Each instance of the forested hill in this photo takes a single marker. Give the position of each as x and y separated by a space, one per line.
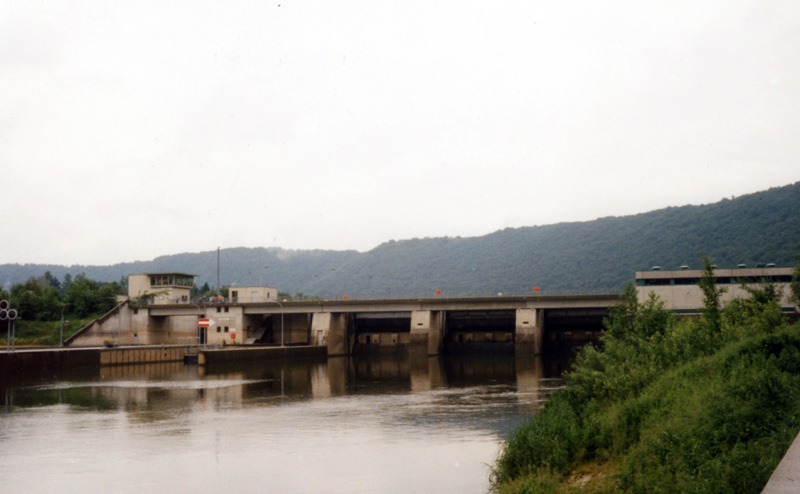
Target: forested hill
592 256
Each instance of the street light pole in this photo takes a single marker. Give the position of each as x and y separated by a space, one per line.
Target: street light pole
61 340
281 306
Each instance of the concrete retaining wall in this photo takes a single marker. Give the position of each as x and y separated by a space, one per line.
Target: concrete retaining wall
120 356
207 357
21 362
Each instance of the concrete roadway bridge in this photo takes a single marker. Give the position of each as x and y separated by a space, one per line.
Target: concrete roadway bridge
421 326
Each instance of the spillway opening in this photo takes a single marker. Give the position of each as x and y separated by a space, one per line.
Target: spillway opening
479 331
573 325
380 332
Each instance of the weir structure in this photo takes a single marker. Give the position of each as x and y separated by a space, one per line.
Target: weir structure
417 326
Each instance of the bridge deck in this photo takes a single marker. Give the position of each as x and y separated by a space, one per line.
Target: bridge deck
398 305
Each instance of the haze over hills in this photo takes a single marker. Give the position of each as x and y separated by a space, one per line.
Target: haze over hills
585 257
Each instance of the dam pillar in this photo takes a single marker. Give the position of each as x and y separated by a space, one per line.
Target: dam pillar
426 333
528 334
330 329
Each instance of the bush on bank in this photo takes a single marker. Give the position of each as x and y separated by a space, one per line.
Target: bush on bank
699 405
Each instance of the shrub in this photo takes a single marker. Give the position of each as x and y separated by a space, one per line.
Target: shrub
698 405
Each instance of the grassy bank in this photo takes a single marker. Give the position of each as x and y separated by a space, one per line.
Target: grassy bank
698 405
42 333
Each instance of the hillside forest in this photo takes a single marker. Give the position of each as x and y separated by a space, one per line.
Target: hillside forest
596 256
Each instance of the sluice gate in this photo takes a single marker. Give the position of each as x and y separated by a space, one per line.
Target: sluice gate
380 332
479 331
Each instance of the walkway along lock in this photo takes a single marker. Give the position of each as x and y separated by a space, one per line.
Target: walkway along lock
9 315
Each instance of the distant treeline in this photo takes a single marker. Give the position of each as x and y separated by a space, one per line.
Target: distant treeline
581 257
45 298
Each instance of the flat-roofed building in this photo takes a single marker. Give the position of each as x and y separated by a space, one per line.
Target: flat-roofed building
244 294
161 288
680 291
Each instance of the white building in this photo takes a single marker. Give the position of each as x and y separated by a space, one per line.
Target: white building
161 288
245 294
680 292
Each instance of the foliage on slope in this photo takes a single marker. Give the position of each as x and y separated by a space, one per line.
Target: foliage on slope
666 406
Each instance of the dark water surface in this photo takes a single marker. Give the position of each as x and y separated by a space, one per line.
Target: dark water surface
387 425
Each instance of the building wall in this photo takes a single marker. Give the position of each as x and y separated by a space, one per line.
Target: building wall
230 326
245 294
689 297
112 327
139 284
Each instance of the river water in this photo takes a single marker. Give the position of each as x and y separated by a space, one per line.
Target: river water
384 425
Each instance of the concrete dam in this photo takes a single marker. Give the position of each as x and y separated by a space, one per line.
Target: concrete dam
419 326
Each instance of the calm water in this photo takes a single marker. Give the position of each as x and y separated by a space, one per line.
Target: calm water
336 425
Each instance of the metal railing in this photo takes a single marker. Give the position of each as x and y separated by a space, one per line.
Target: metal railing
192 344
481 294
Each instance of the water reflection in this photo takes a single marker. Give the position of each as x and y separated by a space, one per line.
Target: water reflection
372 424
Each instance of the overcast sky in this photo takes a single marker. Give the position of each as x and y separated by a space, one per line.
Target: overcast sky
133 129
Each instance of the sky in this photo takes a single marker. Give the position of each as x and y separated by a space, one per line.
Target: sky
134 129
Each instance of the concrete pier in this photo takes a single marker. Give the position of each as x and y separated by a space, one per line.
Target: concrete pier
426 332
528 331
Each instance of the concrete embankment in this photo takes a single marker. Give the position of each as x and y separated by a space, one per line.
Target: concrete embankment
786 478
26 361
22 362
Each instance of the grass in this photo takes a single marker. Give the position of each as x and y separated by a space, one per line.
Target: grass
42 333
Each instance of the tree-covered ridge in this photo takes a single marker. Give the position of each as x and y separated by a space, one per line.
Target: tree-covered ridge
591 256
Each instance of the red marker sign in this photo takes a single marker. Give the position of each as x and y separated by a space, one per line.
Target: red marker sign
204 323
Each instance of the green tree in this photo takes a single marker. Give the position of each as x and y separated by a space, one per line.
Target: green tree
88 297
712 307
795 286
36 299
759 314
107 296
635 347
66 283
51 280
82 295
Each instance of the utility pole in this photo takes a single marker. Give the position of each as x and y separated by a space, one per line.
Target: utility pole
218 292
61 338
